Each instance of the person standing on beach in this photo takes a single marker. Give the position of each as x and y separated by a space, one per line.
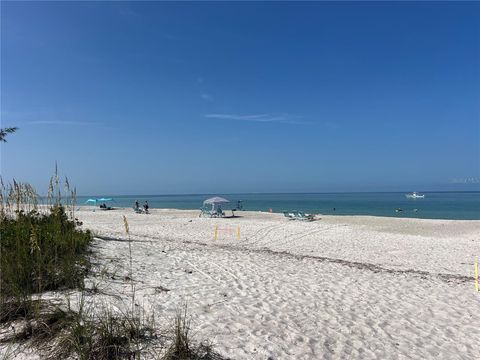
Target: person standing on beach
145 207
137 205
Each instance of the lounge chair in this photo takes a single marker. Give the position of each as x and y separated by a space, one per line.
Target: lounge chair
138 210
303 216
289 215
206 212
220 213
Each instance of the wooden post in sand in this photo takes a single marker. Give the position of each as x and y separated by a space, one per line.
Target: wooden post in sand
476 275
216 233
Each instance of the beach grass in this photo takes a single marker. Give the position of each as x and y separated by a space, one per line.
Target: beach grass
182 346
42 249
105 335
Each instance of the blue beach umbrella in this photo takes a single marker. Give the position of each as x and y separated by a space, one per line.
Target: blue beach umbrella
103 201
93 202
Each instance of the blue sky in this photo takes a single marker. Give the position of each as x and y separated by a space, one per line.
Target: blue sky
162 98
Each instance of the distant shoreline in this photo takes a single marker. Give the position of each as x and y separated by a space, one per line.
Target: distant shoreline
250 212
435 205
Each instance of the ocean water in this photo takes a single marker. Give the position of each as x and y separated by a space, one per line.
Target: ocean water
435 205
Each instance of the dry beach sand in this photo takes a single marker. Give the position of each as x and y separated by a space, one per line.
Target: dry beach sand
341 287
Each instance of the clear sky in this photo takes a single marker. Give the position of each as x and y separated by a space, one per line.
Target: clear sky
161 98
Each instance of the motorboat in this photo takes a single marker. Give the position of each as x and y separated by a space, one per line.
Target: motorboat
414 195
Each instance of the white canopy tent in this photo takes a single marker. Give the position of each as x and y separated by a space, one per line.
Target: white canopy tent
215 202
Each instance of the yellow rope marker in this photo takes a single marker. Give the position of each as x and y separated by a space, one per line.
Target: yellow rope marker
476 275
238 232
216 232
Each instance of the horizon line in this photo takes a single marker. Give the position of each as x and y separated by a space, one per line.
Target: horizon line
281 193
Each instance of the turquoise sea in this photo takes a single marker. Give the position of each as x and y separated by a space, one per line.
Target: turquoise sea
435 205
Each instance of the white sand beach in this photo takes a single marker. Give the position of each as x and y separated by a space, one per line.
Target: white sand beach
341 287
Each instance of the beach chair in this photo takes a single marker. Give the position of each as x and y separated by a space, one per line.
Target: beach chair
220 213
289 215
138 210
306 217
105 207
205 212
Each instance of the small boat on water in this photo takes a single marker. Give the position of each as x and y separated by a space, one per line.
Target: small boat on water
414 195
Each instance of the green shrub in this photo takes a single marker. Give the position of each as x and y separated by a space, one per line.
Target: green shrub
41 252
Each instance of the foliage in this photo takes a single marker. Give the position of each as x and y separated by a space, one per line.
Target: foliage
5 131
40 249
41 252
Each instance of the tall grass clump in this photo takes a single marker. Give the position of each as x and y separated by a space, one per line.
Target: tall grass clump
107 335
182 347
41 248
